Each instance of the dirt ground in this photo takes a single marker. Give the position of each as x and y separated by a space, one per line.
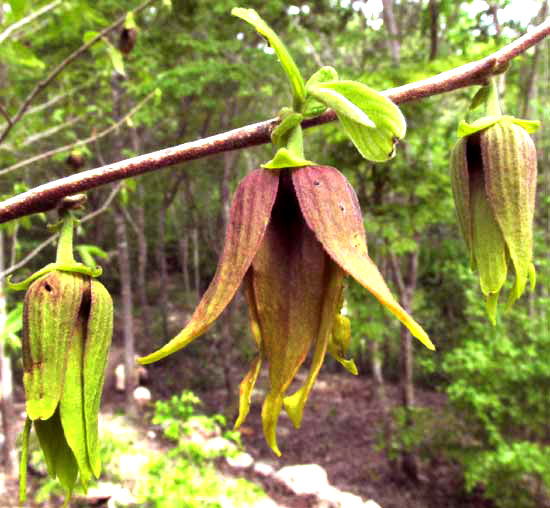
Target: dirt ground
341 432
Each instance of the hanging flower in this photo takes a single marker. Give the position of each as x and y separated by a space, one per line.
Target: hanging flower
292 237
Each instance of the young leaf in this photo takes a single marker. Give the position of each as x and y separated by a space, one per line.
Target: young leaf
288 122
288 64
116 58
341 105
374 143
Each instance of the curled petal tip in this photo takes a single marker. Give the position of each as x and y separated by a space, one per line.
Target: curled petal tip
294 407
270 414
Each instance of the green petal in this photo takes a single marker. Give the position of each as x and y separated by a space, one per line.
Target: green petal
245 390
461 192
488 244
248 219
50 311
270 414
331 210
99 332
57 453
71 406
510 170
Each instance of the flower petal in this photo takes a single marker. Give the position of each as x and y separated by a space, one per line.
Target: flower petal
71 405
510 181
247 384
288 279
248 219
294 404
98 340
461 192
330 208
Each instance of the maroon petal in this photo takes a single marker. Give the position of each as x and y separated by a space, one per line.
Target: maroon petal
331 210
248 219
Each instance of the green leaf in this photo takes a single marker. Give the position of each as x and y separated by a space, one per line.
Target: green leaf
288 122
130 22
480 97
288 64
87 253
284 158
341 105
116 58
374 143
88 36
312 106
14 322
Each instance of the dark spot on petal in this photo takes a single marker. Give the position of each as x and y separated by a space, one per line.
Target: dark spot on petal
316 183
342 207
48 288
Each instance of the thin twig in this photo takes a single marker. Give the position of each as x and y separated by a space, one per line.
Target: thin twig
5 114
92 215
48 103
22 22
46 196
51 131
61 66
90 139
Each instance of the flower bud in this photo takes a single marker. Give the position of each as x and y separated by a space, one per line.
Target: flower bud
493 173
67 332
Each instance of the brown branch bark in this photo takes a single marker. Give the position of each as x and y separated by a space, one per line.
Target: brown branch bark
46 197
41 85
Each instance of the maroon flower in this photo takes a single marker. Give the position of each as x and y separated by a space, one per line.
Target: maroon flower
292 236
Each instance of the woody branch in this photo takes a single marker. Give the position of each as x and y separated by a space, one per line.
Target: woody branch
47 196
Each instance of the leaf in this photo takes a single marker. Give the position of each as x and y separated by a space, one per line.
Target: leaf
374 143
87 253
116 58
288 122
288 64
88 36
312 106
341 105
480 97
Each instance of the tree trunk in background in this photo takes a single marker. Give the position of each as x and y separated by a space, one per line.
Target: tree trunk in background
141 276
183 246
530 88
161 260
123 256
406 284
393 35
6 376
434 26
196 258
126 311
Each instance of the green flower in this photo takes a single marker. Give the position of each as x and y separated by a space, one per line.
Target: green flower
292 237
